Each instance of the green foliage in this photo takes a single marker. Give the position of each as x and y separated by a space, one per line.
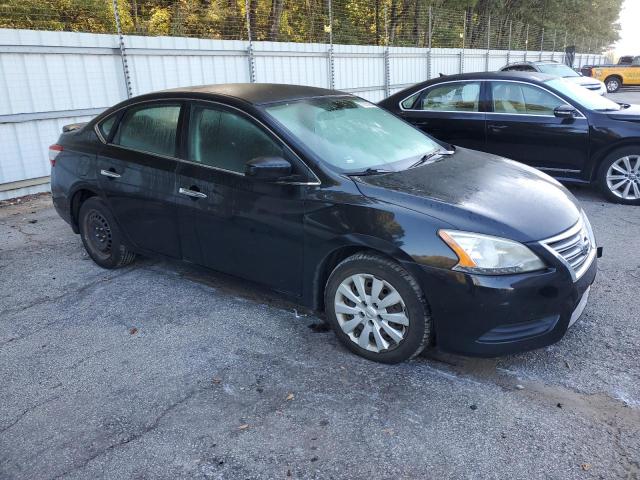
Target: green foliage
371 22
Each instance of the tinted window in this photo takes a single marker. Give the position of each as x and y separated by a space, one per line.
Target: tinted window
150 129
459 97
510 97
106 125
223 139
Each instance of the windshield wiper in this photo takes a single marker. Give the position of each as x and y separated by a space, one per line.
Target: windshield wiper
428 156
368 171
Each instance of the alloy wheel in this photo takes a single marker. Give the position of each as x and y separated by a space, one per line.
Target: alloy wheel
612 85
371 312
623 177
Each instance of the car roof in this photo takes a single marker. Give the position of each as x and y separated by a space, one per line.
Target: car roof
256 93
536 76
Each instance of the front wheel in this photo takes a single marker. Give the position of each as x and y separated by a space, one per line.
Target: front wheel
100 235
619 175
613 84
377 309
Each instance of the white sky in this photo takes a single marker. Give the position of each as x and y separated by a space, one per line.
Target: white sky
629 43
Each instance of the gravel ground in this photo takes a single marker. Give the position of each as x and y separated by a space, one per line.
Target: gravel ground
163 370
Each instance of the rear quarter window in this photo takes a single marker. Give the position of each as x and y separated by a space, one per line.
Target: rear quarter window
105 126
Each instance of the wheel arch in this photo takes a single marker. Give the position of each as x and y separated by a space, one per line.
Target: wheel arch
80 194
602 154
356 244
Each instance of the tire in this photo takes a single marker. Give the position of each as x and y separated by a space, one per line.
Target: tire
613 83
619 170
100 235
413 332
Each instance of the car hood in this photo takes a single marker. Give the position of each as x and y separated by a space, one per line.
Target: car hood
584 81
479 192
630 114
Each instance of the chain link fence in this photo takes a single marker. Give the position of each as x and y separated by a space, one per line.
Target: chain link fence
349 22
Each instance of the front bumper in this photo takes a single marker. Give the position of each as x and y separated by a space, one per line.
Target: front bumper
480 315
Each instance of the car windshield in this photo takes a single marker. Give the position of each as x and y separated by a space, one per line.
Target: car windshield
352 134
583 96
557 69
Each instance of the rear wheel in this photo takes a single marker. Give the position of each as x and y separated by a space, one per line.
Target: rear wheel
613 84
619 175
100 235
377 309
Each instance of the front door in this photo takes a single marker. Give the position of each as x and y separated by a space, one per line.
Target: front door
449 112
230 222
136 172
522 126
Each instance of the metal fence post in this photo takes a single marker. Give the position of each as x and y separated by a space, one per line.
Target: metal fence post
486 60
332 76
464 34
553 49
252 65
429 47
541 44
123 53
385 56
509 43
564 49
526 43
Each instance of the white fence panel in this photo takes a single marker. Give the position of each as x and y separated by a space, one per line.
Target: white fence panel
49 79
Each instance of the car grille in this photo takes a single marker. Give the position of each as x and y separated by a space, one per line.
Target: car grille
574 248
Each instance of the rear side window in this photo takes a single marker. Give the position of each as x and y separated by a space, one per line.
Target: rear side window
519 98
106 125
223 139
150 129
457 97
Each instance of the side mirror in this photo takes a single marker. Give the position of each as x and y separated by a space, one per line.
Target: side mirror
267 168
565 111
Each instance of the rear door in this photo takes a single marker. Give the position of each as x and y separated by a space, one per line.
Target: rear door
450 112
521 125
136 171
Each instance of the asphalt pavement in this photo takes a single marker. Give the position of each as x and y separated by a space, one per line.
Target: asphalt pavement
164 370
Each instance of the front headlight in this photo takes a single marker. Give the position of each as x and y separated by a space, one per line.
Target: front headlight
489 255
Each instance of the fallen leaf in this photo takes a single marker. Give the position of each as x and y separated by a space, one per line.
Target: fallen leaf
473 407
216 380
566 363
244 426
388 431
290 397
133 330
585 466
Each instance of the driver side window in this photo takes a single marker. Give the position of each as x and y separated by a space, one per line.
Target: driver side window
223 139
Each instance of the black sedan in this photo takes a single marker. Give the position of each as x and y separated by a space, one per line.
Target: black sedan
547 122
402 240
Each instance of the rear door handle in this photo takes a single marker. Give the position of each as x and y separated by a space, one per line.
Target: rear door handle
497 128
191 193
109 173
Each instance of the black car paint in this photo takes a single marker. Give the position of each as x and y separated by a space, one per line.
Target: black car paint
290 235
569 149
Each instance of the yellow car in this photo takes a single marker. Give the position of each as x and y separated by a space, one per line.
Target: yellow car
615 76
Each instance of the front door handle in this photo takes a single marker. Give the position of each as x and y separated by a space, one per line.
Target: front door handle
497 128
191 193
109 173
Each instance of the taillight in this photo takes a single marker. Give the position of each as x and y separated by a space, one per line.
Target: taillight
54 151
